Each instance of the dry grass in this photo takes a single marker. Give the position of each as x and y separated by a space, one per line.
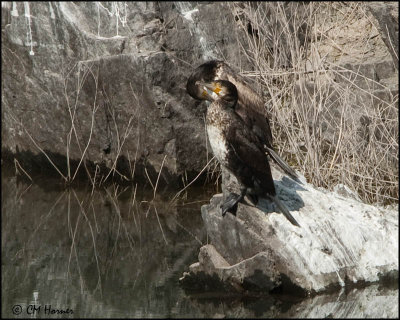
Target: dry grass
330 123
75 78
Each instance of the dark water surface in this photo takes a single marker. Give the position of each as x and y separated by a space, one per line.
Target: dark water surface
120 253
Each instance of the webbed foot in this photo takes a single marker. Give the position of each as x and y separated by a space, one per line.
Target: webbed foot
230 204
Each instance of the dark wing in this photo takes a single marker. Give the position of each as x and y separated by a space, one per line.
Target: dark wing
257 122
247 160
252 165
250 106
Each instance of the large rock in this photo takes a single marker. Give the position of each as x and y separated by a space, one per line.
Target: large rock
341 241
105 82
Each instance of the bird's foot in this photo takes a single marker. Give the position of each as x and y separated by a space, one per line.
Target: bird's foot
230 204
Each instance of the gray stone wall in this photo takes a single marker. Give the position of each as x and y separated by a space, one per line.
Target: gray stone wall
103 82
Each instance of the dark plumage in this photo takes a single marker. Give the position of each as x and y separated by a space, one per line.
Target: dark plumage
250 106
235 146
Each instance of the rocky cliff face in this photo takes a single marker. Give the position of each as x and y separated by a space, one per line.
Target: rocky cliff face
106 84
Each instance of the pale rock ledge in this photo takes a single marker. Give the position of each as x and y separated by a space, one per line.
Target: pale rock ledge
342 241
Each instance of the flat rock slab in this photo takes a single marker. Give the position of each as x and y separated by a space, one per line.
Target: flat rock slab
341 241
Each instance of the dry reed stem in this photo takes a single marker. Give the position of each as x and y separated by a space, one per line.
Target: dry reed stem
37 146
16 163
98 285
191 182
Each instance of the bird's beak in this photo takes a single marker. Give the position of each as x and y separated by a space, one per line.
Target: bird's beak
210 90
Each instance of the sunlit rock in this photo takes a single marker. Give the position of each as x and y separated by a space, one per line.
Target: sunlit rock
341 242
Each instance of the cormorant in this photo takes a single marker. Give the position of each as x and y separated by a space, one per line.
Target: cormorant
250 106
236 147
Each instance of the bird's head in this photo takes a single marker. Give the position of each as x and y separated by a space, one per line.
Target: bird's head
206 72
221 90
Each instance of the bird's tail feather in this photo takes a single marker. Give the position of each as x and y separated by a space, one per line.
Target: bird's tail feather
285 167
285 211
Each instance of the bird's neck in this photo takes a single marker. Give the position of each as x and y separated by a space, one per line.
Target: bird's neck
218 114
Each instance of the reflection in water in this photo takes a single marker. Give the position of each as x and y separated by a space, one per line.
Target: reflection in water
105 254
371 302
120 253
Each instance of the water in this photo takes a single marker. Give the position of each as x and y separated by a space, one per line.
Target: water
120 253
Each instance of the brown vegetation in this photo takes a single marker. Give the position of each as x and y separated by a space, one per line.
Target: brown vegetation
331 119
